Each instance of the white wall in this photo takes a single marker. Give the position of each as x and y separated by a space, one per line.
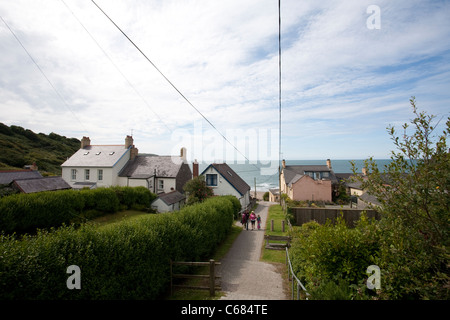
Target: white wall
224 188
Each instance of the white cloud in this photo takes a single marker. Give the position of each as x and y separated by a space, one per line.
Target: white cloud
338 76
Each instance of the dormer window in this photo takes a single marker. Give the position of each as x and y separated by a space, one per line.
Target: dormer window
98 153
111 153
86 153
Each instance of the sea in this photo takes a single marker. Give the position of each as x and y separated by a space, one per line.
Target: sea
264 176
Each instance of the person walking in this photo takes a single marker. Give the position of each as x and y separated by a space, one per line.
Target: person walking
246 219
253 219
258 220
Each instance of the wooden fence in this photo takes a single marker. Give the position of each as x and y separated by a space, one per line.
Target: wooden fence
212 276
321 215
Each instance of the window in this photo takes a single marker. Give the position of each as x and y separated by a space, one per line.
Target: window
86 174
160 184
100 174
211 179
74 174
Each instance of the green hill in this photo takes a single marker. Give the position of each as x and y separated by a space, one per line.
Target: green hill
20 147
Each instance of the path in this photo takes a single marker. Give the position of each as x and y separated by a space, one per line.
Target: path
244 277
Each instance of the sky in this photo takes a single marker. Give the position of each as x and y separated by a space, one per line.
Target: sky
348 70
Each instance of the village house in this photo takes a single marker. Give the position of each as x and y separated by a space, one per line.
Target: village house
308 182
96 166
224 181
29 180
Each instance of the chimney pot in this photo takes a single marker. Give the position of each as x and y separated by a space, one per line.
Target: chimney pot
195 169
329 164
183 154
85 142
128 142
283 163
364 171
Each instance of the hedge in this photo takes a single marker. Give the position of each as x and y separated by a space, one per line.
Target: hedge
22 213
333 252
124 260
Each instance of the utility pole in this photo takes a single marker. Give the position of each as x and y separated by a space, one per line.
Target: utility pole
255 187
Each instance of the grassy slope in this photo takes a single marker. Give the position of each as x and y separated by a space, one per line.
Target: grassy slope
21 147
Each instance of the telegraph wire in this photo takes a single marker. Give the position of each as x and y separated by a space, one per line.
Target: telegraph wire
279 93
167 79
117 68
43 73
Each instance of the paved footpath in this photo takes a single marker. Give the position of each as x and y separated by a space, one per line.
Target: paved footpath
244 277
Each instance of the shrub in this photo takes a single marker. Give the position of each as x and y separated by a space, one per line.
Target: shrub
24 213
124 260
323 253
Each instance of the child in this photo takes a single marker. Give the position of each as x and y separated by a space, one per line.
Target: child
259 222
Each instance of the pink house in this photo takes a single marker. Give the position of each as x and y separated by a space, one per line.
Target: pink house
308 182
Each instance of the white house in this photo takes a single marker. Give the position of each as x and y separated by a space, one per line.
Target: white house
97 165
160 174
121 165
224 181
171 201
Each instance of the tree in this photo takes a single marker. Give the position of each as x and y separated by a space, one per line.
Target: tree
197 190
415 207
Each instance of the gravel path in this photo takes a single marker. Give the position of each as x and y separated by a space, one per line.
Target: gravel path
244 277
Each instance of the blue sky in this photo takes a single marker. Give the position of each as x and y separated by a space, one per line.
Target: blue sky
343 83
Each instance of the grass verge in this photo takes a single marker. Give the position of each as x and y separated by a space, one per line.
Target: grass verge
277 257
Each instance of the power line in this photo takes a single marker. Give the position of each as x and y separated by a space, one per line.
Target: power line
167 79
43 73
279 95
117 68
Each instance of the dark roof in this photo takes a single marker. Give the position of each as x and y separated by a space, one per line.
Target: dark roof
296 171
6 177
232 177
41 184
171 197
144 166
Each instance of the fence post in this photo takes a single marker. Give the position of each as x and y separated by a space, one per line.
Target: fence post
282 225
271 225
171 283
212 278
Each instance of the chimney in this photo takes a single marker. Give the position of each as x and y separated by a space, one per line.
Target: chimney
283 163
329 164
133 153
195 169
364 171
85 142
128 142
183 154
34 167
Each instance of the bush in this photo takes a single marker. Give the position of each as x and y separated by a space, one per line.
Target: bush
24 213
124 260
324 253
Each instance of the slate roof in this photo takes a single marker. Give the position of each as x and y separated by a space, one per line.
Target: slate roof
96 156
171 197
232 177
41 184
6 177
144 166
293 173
